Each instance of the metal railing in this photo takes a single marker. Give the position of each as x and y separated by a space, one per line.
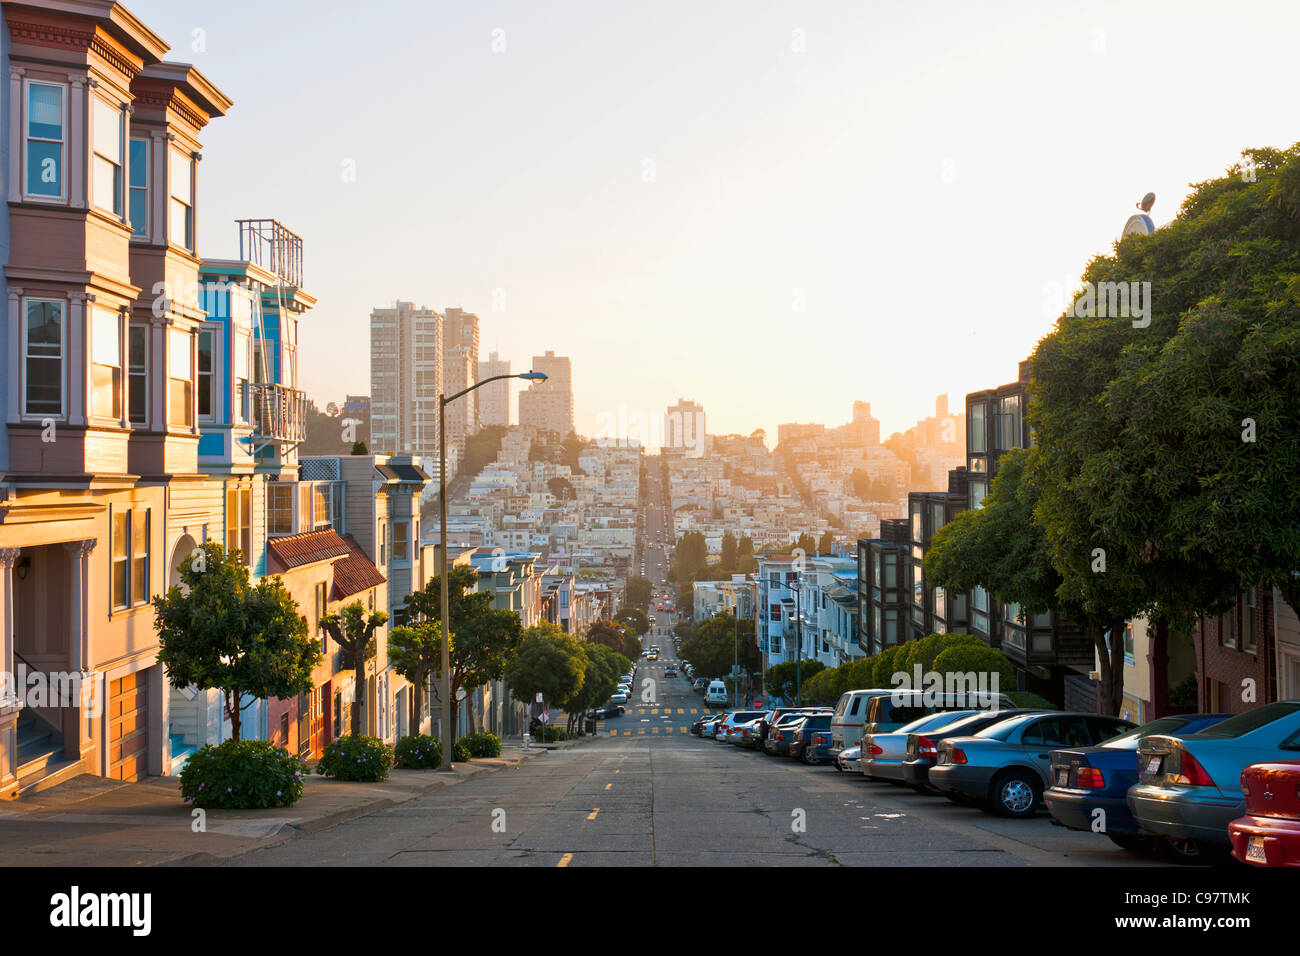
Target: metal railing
279 412
266 243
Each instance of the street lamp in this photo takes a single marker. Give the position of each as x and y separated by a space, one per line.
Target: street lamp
445 685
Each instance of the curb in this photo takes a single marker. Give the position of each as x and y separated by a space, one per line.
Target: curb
325 822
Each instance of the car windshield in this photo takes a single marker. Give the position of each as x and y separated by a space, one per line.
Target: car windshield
844 702
1251 720
1003 729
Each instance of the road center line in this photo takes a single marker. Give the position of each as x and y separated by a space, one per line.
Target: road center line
592 814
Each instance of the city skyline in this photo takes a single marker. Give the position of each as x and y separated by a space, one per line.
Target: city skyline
689 194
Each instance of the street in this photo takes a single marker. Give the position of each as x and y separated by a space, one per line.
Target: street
647 793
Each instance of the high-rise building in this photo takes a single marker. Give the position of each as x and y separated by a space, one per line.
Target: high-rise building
549 405
460 371
494 399
684 428
406 378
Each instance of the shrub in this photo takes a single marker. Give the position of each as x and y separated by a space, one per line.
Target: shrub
418 752
481 744
1024 698
554 733
977 659
883 670
366 759
242 775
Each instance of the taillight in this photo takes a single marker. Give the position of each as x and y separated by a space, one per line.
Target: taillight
873 748
1191 772
1090 778
925 747
957 756
780 736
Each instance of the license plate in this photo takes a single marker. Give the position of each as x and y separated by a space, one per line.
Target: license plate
1255 850
1153 765
1062 776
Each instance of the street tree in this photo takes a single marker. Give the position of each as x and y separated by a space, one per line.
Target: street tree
218 631
354 632
638 592
415 650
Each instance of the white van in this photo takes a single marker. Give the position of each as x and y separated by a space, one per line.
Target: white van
717 694
850 716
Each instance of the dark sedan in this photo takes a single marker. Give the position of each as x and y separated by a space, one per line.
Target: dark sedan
923 749
1086 780
1004 768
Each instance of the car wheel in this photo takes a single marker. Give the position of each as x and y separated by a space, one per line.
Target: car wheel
810 757
838 767
1191 852
1132 842
1015 793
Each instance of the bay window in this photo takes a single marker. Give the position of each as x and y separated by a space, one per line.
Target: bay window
181 373
206 378
138 204
46 139
106 364
43 357
181 227
108 159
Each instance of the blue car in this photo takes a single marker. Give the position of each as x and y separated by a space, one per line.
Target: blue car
1087 779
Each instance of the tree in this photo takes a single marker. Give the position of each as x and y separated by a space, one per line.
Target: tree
827 543
483 638
599 681
712 649
354 632
746 563
359 448
690 556
806 544
217 631
414 651
730 556
638 592
616 637
482 448
782 678
635 619
561 488
548 662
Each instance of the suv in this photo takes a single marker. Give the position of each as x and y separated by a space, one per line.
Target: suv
802 738
727 729
716 695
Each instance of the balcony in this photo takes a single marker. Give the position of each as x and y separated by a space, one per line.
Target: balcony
266 243
279 412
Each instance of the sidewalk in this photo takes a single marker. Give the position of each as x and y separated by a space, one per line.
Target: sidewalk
93 821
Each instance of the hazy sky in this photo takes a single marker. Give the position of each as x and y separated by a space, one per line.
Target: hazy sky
773 208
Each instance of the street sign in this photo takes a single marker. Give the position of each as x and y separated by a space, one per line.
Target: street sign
544 717
539 697
757 703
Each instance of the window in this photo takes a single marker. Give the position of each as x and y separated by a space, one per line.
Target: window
129 558
182 380
978 490
383 543
138 203
45 139
106 364
107 172
138 374
206 379
239 521
1008 423
1248 620
1228 628
43 357
774 612
891 571
322 608
279 508
891 627
401 541
918 530
975 434
181 226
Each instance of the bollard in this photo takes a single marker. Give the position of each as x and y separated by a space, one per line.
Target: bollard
527 740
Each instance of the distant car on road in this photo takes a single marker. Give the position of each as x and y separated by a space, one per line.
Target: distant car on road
604 713
670 671
618 697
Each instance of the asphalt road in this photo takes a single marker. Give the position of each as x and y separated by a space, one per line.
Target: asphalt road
648 794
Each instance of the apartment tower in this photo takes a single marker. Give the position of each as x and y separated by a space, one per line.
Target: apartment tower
549 405
406 378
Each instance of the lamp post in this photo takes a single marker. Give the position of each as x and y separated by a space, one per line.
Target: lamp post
444 695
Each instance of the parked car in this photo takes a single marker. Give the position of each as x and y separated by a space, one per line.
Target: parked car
699 685
1004 768
709 725
883 752
1190 788
802 739
1086 779
727 730
747 735
777 713
1269 833
716 695
670 671
606 712
618 697
847 760
850 717
699 722
899 707
923 749
781 732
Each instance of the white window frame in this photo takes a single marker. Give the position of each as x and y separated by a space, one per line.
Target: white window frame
130 374
94 315
214 415
63 360
122 139
62 197
177 157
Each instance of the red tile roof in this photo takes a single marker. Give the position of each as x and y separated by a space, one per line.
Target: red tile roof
355 573
308 547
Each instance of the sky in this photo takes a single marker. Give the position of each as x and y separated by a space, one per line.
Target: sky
771 208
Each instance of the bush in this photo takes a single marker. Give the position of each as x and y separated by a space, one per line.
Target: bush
554 734
242 775
882 671
366 759
1024 698
418 752
481 744
977 659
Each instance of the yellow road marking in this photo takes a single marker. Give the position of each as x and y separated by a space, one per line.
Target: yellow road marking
684 730
654 730
608 785
613 733
641 732
626 733
564 860
592 814
681 710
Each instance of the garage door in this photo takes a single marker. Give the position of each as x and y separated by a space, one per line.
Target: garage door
128 727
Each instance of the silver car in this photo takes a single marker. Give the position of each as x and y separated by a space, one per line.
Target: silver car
882 755
1190 789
